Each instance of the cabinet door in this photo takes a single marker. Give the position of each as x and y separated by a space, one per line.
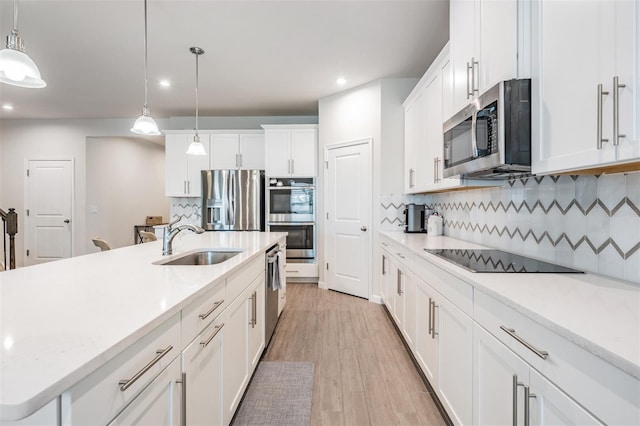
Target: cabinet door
277 142
455 357
255 322
304 144
398 278
158 404
252 156
433 134
551 406
416 162
176 165
498 42
409 297
235 355
202 363
426 349
462 33
224 151
384 273
197 163
495 367
565 121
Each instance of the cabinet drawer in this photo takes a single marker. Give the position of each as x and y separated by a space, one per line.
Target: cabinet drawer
98 397
239 281
454 289
607 392
200 313
398 251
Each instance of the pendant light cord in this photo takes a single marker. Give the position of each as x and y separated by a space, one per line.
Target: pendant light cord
197 94
145 112
15 15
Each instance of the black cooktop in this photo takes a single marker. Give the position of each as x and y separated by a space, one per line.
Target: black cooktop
482 260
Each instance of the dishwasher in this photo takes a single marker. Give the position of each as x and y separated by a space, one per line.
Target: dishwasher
271 292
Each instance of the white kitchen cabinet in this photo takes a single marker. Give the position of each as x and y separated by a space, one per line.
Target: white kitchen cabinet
291 150
202 368
238 150
244 343
159 404
47 415
454 334
489 43
502 381
426 348
182 171
423 142
574 124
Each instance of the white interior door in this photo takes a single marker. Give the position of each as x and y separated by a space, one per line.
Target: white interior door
348 245
49 225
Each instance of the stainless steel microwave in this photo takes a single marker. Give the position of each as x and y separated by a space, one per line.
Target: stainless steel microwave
491 137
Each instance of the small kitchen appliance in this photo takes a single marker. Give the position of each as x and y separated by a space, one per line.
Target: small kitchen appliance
434 225
414 218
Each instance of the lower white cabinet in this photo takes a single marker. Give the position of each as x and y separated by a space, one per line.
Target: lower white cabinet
243 346
47 415
507 391
158 404
426 348
202 368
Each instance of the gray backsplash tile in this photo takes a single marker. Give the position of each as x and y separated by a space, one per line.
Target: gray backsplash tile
591 223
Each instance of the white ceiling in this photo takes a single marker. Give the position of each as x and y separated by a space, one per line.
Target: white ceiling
262 57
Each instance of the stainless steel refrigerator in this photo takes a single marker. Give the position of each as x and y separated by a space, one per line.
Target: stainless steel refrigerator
233 200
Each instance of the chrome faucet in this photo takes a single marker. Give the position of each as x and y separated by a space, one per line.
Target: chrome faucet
170 233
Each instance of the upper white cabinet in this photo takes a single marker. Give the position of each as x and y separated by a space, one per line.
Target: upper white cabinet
581 120
424 112
182 171
237 150
291 150
489 43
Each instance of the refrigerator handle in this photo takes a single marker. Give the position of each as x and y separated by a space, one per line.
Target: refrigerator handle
232 199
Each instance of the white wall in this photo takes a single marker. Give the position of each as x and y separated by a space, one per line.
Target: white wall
125 184
373 110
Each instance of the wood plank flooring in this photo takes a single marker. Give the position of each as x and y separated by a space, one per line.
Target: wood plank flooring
363 373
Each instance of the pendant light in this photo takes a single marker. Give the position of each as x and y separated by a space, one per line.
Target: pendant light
16 67
196 148
145 125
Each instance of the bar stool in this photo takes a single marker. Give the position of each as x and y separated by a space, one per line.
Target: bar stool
147 236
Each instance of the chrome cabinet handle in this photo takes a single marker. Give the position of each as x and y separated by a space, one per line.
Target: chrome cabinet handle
474 63
434 333
183 399
411 178
363 228
616 111
469 92
293 166
184 186
67 221
400 255
527 408
512 332
204 343
213 308
430 324
126 383
385 244
254 313
601 93
516 384
435 167
399 283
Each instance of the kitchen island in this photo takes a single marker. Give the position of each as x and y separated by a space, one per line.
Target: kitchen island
62 321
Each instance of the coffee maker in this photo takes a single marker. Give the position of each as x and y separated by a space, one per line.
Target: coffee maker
414 218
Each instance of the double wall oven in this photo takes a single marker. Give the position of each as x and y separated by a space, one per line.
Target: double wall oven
291 209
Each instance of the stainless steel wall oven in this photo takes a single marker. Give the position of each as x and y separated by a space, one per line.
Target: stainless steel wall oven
291 209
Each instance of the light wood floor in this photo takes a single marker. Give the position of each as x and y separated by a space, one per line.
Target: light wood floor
363 373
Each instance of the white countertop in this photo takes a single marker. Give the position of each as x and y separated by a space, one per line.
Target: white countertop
61 320
599 314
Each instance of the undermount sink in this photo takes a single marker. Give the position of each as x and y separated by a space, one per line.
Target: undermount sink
201 257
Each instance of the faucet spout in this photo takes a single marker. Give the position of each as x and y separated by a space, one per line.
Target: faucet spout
170 233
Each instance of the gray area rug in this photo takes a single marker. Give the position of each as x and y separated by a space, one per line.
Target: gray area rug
279 394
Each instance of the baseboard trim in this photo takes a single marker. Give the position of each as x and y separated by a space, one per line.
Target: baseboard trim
322 285
376 299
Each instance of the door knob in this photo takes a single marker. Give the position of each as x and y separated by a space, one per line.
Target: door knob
67 221
363 228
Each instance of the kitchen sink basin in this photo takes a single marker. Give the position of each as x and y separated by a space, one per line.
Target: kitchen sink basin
201 257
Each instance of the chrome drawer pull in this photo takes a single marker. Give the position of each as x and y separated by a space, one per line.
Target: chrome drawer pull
215 306
206 342
125 384
512 332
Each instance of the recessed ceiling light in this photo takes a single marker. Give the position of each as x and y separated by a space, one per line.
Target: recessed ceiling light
341 81
7 107
165 83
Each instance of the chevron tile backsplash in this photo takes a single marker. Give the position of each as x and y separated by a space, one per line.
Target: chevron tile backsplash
188 210
587 222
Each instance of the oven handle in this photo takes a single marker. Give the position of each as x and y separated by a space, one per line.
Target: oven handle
275 188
